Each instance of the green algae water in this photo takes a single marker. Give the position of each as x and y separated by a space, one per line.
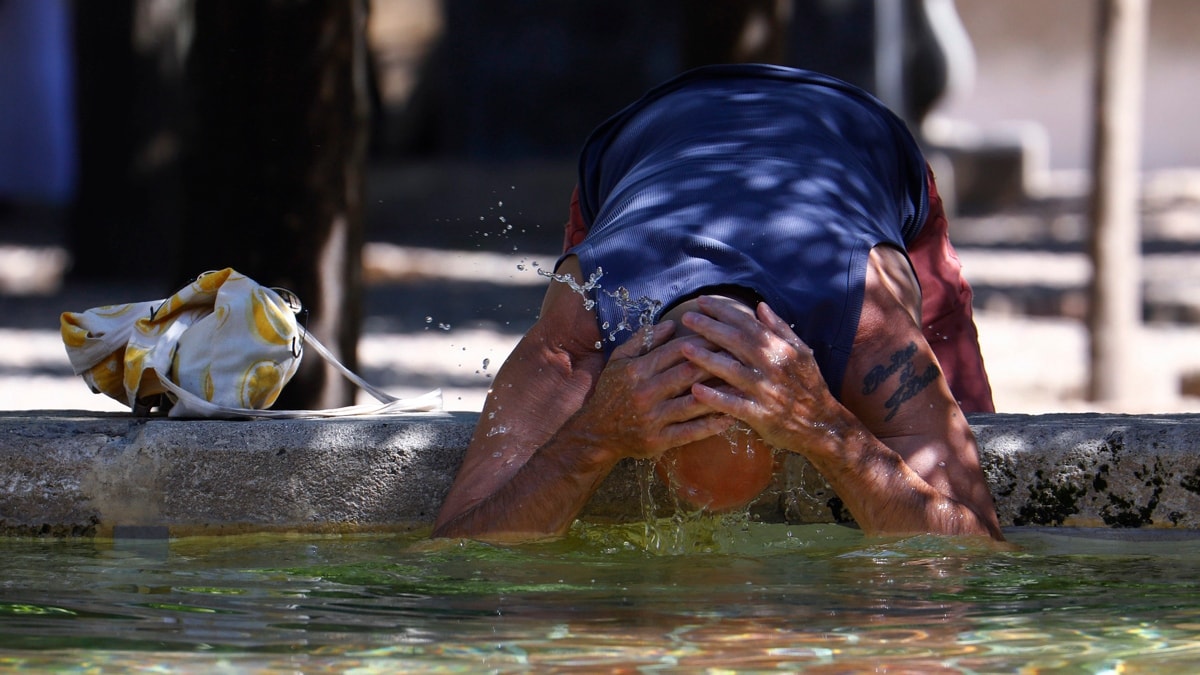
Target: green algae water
666 597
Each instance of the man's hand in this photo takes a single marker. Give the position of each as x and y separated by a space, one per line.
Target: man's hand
548 444
777 387
917 471
643 403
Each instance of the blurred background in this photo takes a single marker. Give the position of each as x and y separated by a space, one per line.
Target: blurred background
405 167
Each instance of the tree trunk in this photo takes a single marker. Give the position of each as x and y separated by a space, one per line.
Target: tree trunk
125 219
734 31
1115 248
274 174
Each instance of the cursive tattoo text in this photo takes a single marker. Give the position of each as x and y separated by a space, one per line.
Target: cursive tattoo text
910 383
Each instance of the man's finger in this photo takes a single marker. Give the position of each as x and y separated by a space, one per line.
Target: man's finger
727 311
726 402
722 366
777 325
728 325
680 377
665 356
697 429
723 335
645 340
682 408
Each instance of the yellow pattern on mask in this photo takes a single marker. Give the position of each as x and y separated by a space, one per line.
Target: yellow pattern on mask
223 338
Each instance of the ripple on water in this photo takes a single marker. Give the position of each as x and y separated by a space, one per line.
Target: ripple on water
688 593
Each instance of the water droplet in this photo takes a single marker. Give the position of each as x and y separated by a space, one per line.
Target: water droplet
486 363
429 319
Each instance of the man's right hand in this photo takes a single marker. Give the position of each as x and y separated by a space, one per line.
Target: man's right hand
560 416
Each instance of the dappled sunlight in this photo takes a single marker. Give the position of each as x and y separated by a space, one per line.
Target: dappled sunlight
732 199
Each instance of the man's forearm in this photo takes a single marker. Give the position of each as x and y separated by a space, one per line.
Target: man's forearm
886 495
542 498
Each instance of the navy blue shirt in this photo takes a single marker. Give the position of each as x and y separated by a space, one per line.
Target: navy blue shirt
769 179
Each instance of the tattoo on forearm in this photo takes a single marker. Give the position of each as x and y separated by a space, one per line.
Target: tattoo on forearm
909 387
880 374
910 383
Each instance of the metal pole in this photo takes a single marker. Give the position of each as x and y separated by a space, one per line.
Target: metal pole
889 54
1116 305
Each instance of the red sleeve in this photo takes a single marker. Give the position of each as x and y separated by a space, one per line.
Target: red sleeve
946 310
945 305
576 230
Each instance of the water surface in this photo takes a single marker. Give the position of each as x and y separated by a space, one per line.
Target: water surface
670 596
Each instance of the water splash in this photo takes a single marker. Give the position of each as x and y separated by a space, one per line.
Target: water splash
582 290
635 313
688 534
646 482
741 438
685 529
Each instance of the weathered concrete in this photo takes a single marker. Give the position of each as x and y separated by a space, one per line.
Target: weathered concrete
1092 469
86 474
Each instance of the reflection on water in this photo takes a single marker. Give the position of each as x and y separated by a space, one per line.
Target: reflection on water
703 593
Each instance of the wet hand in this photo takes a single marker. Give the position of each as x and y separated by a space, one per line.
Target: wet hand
643 403
775 385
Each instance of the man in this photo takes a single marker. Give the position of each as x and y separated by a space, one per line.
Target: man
745 238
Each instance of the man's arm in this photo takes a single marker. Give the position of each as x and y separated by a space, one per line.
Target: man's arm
558 418
898 452
946 315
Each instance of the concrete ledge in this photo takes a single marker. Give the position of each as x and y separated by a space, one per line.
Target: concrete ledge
1093 470
70 473
75 473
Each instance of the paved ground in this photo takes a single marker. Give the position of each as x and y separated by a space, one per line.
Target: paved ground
447 318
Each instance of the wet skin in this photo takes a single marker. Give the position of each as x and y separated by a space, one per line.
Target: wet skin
895 447
724 472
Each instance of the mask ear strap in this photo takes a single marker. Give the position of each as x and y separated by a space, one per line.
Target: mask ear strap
375 392
191 405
